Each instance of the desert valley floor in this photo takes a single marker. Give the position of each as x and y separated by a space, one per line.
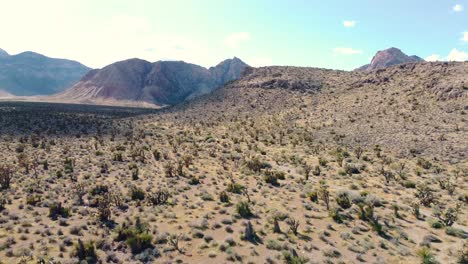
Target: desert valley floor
286 165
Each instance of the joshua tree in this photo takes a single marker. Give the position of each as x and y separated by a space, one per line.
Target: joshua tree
276 226
6 173
359 151
80 191
104 208
425 195
293 225
324 194
173 241
249 233
307 169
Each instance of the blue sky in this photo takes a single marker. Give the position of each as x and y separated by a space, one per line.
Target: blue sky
332 34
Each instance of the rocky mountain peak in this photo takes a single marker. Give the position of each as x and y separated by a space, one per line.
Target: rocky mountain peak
389 57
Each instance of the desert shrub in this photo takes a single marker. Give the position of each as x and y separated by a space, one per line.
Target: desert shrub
206 197
343 199
99 190
235 188
136 237
256 165
409 184
139 242
157 155
194 180
56 210
117 156
351 169
425 195
316 171
313 196
85 251
426 256
423 163
224 197
449 216
334 213
456 232
137 194
291 257
159 197
271 179
323 162
3 202
33 199
243 209
68 164
462 256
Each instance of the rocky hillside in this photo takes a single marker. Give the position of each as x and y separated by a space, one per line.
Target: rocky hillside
413 109
30 73
162 82
389 57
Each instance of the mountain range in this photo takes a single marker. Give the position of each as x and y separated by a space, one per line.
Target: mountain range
30 73
134 80
160 83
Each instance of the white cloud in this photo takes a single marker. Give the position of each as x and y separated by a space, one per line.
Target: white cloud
457 55
457 8
349 23
234 40
433 57
465 37
346 51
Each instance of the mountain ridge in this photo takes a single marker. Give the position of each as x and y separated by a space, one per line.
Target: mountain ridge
160 82
29 73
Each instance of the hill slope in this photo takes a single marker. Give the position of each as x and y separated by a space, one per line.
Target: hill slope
30 73
411 108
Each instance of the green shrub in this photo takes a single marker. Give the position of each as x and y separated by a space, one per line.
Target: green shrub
409 184
335 215
235 188
224 197
56 210
243 209
137 194
343 200
85 251
313 196
136 237
456 232
139 242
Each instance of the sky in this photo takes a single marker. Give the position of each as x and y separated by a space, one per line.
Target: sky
332 34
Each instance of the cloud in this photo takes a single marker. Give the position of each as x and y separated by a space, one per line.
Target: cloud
457 55
234 40
349 23
465 37
346 51
433 57
457 8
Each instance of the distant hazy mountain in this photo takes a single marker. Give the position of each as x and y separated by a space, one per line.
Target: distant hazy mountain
162 82
30 73
3 53
389 57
